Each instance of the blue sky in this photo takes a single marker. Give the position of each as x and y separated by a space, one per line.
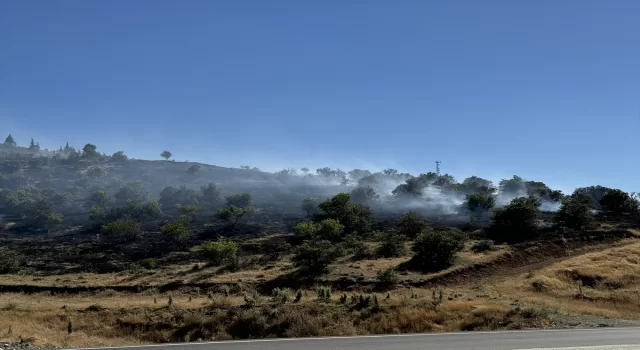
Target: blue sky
546 89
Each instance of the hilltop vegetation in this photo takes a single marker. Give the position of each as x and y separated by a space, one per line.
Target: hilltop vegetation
78 220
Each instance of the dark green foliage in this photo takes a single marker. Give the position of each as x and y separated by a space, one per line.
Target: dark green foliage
166 155
189 210
387 277
232 214
177 230
220 251
364 195
314 257
618 202
328 229
123 227
90 151
210 196
193 169
310 207
33 146
356 218
414 187
172 196
9 261
480 202
132 191
411 224
575 213
9 141
119 157
240 200
393 244
517 221
436 250
595 193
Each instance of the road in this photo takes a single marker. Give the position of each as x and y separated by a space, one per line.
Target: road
569 339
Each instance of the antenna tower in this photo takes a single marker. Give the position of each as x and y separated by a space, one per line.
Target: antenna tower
438 167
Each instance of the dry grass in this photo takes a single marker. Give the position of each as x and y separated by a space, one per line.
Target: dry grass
604 283
116 319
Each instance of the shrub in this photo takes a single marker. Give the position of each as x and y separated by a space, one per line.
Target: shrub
123 227
517 221
393 244
411 224
435 250
387 277
575 213
219 251
482 246
328 229
480 202
314 257
618 202
240 200
9 261
177 230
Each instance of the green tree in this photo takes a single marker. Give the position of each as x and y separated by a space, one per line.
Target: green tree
100 199
119 157
240 200
411 224
618 202
189 210
328 229
220 251
575 213
177 230
232 214
480 202
166 155
436 250
210 196
127 228
133 190
393 244
364 195
193 169
34 146
314 257
172 196
356 218
9 141
517 221
90 151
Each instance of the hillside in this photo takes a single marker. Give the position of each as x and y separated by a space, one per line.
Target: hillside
106 250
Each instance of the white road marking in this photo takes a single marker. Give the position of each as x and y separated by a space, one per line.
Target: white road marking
600 347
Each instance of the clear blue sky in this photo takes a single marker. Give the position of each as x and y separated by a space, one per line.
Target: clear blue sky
546 89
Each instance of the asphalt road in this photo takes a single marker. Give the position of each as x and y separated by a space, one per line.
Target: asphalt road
573 339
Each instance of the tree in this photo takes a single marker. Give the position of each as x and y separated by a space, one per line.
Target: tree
119 157
435 250
241 200
575 213
90 151
393 244
328 229
517 221
9 141
411 224
166 155
480 202
364 195
172 196
177 230
210 195
219 251
193 169
232 214
133 190
34 146
314 257
127 228
618 202
310 207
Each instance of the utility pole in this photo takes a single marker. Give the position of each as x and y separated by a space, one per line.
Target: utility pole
438 167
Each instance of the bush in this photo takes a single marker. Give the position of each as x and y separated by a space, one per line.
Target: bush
240 200
9 261
517 221
177 230
314 257
618 202
575 213
328 229
387 277
123 227
435 250
480 202
482 246
393 244
219 251
411 224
